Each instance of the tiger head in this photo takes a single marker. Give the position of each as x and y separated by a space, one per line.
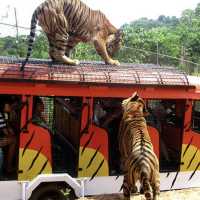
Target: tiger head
134 104
114 42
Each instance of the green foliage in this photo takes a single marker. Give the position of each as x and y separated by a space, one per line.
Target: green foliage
40 48
175 40
85 52
10 46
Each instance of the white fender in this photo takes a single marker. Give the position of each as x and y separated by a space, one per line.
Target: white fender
77 185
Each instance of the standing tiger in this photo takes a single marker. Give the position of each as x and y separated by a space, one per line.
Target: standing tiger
139 161
68 22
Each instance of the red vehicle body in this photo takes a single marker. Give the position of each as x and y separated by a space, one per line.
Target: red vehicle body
72 141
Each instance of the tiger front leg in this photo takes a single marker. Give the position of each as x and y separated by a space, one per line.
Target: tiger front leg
100 47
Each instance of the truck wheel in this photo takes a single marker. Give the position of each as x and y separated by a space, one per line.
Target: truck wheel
71 195
47 192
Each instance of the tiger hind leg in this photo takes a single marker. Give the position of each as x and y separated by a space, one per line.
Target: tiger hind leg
156 186
58 52
59 40
156 194
126 188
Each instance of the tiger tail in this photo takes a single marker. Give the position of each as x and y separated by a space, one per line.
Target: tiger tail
146 186
34 21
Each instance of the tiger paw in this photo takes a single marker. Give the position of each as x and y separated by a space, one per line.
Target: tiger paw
113 62
69 61
76 62
116 62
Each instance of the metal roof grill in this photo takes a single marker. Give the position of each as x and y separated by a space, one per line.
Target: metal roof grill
92 72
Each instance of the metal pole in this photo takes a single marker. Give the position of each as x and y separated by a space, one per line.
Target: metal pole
157 54
17 30
16 23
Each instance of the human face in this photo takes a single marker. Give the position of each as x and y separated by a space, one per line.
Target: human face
7 108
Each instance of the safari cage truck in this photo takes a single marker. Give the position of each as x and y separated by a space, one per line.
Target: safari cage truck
66 119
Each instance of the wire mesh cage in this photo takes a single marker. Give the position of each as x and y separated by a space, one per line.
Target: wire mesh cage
92 72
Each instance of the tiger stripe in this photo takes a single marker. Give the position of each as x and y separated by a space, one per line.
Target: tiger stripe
139 161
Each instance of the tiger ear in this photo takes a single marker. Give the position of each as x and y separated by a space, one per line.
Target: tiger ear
134 97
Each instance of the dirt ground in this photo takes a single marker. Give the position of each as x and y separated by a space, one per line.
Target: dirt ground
186 194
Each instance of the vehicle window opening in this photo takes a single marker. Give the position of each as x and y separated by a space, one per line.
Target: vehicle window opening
62 117
10 112
196 116
107 115
167 116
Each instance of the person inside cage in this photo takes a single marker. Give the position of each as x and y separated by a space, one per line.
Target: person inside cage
38 111
7 136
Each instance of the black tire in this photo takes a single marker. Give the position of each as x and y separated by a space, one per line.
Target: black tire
47 192
72 195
